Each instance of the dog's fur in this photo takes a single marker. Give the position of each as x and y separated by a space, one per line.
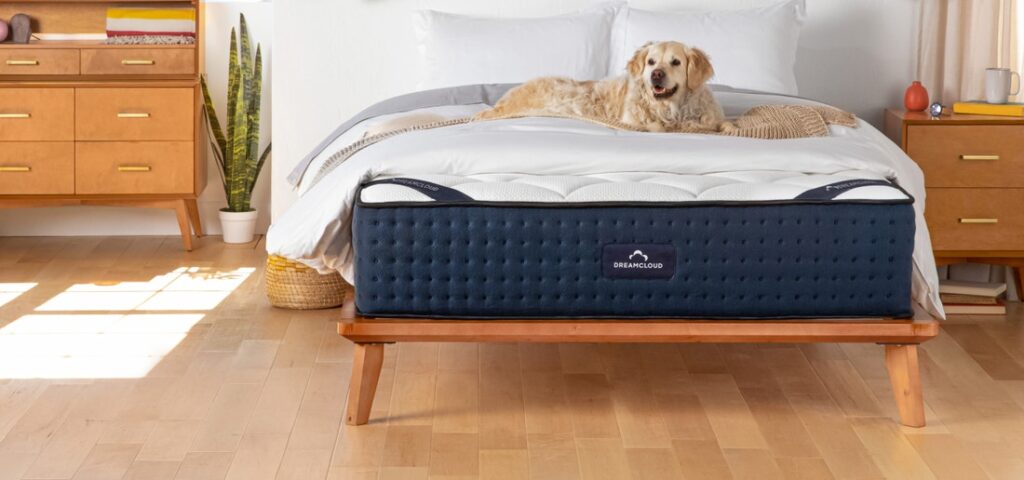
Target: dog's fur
664 90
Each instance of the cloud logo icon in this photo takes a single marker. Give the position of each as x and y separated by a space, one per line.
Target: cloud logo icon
638 254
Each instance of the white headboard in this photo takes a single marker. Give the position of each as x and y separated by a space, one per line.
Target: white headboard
335 57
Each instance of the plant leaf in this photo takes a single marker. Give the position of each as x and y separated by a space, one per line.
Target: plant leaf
237 199
259 167
211 116
252 164
220 165
234 82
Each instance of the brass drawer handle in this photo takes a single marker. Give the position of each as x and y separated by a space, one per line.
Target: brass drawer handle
23 63
15 115
137 62
134 168
18 169
132 115
979 157
979 221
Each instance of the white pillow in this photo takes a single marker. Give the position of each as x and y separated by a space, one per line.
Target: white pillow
753 49
461 50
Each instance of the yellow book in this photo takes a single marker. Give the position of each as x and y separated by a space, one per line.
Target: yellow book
982 108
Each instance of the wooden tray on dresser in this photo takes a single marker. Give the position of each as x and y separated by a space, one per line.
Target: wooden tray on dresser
86 123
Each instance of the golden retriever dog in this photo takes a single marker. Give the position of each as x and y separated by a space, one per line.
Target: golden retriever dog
663 91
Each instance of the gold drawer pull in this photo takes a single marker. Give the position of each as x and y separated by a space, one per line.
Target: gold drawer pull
15 115
18 169
979 221
137 62
23 63
134 168
132 115
979 157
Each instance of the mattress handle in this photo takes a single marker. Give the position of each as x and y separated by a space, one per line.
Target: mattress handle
979 157
979 221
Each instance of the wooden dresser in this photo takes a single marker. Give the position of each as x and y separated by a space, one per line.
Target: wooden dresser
85 123
974 175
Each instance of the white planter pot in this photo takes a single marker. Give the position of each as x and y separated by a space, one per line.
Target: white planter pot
238 227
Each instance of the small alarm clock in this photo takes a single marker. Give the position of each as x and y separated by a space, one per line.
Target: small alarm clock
935 109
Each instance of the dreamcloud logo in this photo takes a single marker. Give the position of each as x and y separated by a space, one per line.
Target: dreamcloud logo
639 261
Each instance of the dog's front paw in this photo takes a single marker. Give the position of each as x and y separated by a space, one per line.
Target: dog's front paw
728 127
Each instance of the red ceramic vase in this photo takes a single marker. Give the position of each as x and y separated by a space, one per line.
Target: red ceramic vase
916 98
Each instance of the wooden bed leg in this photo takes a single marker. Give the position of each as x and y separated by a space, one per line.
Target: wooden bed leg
901 360
369 357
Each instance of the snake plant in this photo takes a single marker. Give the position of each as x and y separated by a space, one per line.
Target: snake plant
237 149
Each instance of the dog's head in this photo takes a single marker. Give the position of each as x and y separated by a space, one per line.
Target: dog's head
665 68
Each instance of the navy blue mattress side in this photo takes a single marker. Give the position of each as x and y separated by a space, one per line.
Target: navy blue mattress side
727 261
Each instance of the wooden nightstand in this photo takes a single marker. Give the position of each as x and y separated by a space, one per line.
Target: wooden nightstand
974 176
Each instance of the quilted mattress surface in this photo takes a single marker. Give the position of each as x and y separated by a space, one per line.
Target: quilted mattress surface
635 187
634 245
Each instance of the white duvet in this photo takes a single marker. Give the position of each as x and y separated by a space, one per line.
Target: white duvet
316 229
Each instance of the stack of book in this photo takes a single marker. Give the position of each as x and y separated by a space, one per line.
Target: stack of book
978 107
972 297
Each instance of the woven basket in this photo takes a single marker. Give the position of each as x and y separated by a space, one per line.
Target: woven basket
295 286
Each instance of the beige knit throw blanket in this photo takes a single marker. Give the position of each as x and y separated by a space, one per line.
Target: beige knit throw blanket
766 122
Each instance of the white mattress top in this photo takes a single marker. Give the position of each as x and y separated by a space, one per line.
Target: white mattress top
735 186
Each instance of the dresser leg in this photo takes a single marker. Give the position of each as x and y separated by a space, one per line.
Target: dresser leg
1019 271
193 216
181 209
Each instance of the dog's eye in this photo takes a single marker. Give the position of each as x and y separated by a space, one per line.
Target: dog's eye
650 61
675 62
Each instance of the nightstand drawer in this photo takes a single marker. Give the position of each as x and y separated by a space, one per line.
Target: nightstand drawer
975 218
135 114
37 114
38 61
37 168
139 61
968 155
134 167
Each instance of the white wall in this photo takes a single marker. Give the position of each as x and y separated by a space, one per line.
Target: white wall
334 58
220 17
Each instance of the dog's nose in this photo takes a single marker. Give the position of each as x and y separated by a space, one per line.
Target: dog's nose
658 75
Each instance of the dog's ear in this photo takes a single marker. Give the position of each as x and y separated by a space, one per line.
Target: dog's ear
636 64
698 69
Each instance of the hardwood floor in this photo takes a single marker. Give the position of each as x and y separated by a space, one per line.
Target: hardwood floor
128 358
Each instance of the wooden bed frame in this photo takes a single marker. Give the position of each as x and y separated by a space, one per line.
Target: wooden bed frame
900 338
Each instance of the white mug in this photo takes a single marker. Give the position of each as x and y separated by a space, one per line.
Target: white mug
997 84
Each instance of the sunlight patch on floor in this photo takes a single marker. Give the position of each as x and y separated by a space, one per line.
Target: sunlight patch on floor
186 288
111 329
78 368
77 346
10 291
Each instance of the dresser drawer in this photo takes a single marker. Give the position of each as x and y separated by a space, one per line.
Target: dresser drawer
968 155
139 61
37 114
975 218
38 61
134 167
135 114
35 168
